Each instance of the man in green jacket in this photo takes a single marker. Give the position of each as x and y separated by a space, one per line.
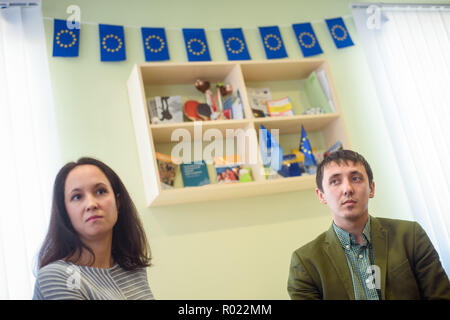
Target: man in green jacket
362 257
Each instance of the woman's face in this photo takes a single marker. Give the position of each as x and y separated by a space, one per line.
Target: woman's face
90 203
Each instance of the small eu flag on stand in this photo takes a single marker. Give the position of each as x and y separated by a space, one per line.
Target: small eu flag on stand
339 32
65 41
112 43
196 45
235 45
271 151
305 148
272 42
155 44
307 39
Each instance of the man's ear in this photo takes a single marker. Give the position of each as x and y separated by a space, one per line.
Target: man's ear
372 190
321 196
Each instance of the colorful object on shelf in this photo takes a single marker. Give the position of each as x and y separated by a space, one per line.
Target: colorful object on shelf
194 174
65 41
339 33
112 43
335 147
271 151
190 110
291 166
155 44
165 109
204 111
215 102
305 148
280 107
167 168
272 42
307 39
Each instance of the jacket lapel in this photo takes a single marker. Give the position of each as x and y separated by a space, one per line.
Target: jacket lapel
380 250
336 255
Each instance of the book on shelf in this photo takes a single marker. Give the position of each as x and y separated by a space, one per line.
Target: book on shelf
167 168
323 80
194 174
231 169
316 95
165 109
258 98
280 107
233 107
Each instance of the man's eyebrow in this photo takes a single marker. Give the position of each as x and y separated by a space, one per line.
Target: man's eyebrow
336 175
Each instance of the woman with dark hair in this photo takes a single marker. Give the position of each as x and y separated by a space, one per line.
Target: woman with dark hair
95 247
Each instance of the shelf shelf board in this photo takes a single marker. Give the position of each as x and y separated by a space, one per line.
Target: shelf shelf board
293 124
162 133
233 190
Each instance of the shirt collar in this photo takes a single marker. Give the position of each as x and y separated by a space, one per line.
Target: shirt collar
346 239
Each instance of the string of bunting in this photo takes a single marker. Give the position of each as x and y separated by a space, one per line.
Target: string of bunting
66 41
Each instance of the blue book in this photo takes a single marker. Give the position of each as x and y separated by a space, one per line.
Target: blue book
194 174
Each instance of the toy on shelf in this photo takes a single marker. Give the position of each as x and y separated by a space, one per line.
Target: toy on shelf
214 102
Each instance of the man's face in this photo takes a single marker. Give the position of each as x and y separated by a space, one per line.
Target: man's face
346 190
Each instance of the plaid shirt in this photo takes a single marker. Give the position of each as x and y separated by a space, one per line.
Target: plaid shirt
359 259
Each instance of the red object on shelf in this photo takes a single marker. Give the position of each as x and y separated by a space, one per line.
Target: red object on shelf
190 110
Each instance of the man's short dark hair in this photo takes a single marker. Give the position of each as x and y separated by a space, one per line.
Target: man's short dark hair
338 157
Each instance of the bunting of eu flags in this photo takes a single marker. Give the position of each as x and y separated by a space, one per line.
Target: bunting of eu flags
272 42
155 44
235 45
65 41
305 148
306 38
196 45
339 32
112 43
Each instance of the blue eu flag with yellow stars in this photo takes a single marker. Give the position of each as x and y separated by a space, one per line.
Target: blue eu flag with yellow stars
65 41
306 38
305 148
196 45
155 44
271 151
339 32
112 43
272 42
235 45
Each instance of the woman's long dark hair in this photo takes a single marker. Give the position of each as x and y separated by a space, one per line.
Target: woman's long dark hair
130 248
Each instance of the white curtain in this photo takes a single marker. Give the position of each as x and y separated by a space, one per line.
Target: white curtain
408 52
29 155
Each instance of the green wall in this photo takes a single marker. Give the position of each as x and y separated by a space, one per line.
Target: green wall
236 249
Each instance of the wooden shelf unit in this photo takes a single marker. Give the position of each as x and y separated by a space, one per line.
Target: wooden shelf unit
286 76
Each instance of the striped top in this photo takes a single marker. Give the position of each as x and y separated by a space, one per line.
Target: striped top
359 259
61 280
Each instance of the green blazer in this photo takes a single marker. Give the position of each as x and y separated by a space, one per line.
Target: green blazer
410 266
